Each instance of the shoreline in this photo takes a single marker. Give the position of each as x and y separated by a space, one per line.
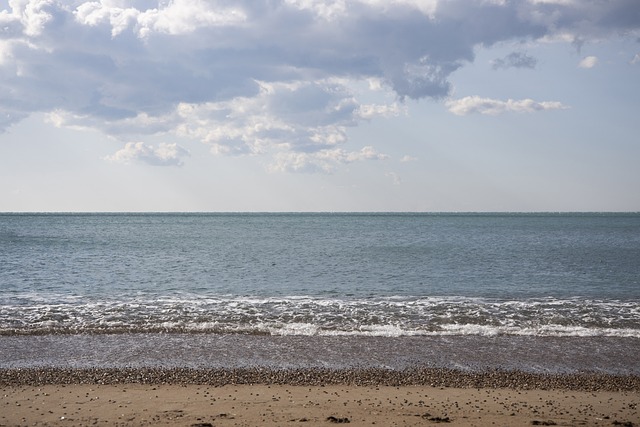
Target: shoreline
319 377
543 355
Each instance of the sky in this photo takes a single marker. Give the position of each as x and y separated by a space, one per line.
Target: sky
327 105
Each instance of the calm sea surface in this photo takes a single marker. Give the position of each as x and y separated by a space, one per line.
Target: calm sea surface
383 289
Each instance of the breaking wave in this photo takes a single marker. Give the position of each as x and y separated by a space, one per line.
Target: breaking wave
313 316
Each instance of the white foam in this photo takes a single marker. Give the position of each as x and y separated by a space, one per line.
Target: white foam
539 331
306 315
306 329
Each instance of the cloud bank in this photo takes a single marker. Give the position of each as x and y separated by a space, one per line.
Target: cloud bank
258 77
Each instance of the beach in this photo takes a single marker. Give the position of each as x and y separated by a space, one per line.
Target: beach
260 396
319 319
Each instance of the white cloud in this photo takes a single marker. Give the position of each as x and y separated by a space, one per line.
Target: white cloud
32 15
325 9
636 59
163 155
369 111
273 78
297 116
407 158
177 17
475 104
96 13
588 62
186 16
324 161
334 9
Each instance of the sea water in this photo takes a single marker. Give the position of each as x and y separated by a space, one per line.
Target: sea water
526 291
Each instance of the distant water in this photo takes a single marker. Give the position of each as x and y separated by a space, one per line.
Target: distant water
364 276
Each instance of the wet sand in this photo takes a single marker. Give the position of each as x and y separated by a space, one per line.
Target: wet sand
257 396
612 355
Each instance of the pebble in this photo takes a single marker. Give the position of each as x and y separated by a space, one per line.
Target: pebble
435 377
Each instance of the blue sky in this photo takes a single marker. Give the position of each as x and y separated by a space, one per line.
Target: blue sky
328 105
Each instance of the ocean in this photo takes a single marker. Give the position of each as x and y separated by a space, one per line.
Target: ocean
543 292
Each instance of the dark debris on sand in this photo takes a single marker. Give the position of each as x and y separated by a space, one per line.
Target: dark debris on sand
338 420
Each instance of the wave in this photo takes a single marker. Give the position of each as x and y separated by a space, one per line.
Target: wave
314 316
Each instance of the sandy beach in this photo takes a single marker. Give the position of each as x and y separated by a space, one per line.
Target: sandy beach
245 405
138 398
